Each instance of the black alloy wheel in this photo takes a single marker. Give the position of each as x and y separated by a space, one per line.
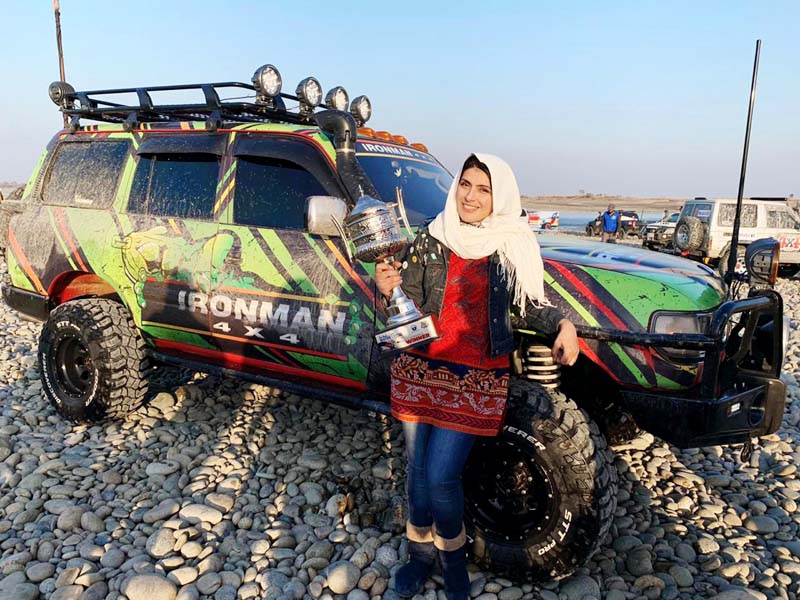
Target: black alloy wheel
540 497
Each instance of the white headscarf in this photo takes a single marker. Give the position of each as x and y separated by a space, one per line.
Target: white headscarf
501 232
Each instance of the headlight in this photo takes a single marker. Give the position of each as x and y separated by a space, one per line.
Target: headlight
309 91
673 323
267 81
337 98
361 108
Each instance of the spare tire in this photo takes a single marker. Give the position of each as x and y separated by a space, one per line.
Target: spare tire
689 233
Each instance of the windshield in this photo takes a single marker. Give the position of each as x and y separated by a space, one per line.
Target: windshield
403 173
673 218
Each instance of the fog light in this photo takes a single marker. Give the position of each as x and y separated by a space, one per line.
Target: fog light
267 81
337 98
762 259
309 92
61 93
361 108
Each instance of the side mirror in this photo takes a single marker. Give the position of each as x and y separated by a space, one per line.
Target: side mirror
762 258
320 214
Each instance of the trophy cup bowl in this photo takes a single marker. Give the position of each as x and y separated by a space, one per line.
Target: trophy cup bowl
373 229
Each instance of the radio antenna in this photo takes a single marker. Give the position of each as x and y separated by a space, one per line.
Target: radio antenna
733 252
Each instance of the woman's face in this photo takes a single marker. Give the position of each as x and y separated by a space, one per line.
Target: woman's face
474 196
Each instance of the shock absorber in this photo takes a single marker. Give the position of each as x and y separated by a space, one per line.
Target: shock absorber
538 365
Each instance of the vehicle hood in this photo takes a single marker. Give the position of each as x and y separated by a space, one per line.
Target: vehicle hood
637 279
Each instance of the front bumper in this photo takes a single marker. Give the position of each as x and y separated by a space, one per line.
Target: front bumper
732 418
740 395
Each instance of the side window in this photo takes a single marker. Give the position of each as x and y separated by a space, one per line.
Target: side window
271 192
85 174
727 214
781 219
175 185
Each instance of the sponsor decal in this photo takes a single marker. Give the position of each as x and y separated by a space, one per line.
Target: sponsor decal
256 315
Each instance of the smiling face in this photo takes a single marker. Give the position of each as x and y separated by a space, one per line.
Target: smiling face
474 196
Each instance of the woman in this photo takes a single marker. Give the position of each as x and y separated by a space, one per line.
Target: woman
474 262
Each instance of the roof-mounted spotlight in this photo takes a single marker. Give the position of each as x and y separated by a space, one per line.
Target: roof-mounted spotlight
267 81
337 98
361 108
309 92
61 93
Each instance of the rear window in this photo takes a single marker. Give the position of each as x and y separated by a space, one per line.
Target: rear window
701 211
175 185
727 213
85 174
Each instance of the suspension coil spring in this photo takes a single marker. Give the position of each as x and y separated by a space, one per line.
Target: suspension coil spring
538 365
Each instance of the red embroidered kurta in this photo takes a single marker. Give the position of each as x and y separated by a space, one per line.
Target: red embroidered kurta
454 382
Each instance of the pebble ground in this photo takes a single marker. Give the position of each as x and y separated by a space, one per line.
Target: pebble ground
225 490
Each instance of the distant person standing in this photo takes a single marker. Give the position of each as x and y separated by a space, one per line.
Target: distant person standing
610 225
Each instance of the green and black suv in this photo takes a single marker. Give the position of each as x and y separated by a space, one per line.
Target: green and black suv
200 235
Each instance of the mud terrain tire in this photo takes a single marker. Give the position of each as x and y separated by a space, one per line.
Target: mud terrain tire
93 361
540 497
689 234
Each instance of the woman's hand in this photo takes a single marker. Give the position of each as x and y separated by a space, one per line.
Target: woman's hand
565 348
387 277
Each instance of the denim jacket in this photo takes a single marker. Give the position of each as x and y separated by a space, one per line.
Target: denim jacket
424 271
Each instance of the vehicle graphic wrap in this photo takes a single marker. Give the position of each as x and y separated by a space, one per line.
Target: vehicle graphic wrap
289 303
619 288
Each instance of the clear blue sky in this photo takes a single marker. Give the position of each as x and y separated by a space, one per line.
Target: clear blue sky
637 98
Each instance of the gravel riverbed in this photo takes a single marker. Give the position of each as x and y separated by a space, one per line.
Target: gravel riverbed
226 490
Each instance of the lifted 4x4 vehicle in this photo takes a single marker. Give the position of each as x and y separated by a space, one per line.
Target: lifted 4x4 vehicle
200 235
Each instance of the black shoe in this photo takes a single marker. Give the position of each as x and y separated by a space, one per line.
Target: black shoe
454 572
410 578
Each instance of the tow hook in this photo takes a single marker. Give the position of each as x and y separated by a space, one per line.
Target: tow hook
747 451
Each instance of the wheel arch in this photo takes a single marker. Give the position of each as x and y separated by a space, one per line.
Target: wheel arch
73 285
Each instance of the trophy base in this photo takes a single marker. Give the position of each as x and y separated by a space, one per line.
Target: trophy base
408 335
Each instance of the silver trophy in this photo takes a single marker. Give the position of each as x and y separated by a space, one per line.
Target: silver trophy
373 229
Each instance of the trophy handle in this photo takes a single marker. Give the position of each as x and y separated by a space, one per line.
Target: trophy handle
340 229
402 210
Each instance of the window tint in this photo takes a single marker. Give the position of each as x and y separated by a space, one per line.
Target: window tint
176 185
781 219
272 193
85 174
727 213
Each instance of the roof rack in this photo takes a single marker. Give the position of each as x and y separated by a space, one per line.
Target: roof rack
77 105
770 198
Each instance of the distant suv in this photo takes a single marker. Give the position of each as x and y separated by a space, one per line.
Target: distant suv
659 234
628 224
705 226
200 235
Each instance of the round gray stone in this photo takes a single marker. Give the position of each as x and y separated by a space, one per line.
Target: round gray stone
38 572
149 587
160 542
342 576
200 513
578 586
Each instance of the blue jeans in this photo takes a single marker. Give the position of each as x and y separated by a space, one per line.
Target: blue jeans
436 458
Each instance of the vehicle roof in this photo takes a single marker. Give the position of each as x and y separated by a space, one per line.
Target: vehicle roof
774 201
